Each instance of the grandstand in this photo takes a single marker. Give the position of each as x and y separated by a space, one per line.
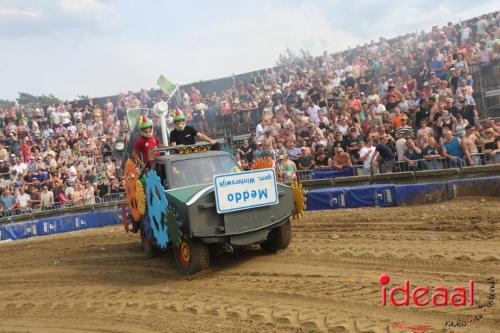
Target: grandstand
313 117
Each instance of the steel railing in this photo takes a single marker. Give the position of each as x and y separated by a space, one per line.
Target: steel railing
19 214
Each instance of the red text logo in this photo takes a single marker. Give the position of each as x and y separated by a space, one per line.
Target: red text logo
422 296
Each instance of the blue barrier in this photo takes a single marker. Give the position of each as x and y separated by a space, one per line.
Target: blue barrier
332 173
383 195
488 186
326 198
411 194
59 224
386 195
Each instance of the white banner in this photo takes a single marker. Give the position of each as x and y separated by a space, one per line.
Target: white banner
245 190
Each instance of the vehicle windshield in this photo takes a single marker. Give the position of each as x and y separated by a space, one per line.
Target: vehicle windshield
200 170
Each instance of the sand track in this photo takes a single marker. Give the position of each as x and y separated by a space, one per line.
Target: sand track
327 280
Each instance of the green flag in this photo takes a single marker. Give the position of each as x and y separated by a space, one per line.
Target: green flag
132 117
166 85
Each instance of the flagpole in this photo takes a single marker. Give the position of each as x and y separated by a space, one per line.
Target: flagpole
163 120
178 95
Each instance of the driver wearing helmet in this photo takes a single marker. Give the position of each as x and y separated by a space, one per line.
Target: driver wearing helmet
185 135
144 153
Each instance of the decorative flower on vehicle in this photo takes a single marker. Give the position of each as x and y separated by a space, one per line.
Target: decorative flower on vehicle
299 200
157 205
174 224
262 163
131 178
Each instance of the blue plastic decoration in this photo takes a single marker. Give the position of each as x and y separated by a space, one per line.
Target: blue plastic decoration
157 205
146 225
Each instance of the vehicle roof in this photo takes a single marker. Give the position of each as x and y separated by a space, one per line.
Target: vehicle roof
179 157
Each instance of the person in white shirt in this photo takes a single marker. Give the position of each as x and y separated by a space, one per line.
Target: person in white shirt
23 200
366 154
20 167
313 110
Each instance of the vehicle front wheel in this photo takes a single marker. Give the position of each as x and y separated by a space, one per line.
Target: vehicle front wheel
191 256
278 238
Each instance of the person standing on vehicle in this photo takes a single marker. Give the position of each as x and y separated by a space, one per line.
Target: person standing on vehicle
185 135
144 147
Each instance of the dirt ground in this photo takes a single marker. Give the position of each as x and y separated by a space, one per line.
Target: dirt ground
327 280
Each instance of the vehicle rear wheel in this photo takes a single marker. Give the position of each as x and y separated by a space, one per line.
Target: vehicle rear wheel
147 245
278 238
191 256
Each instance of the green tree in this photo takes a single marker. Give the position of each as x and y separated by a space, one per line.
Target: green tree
25 98
5 104
288 57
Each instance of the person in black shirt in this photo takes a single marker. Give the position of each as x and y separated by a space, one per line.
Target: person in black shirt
102 187
321 160
4 170
383 155
423 112
185 135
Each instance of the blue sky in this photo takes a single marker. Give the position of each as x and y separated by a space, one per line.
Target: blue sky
103 47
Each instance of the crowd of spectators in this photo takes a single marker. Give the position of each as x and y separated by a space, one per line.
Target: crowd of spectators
401 100
385 106
61 155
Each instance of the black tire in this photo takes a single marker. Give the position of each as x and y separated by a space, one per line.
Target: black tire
279 238
191 256
147 245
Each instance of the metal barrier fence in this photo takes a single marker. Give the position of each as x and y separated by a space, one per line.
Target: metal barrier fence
57 207
399 166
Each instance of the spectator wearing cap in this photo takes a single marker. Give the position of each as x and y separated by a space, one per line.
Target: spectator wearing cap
341 160
353 140
383 156
404 128
20 167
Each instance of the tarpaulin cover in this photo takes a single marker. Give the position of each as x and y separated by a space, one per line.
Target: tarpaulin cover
59 224
332 173
421 193
326 198
487 186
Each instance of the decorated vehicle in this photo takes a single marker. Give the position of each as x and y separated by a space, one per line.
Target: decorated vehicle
194 199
